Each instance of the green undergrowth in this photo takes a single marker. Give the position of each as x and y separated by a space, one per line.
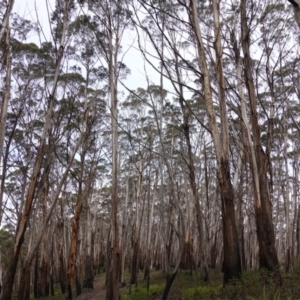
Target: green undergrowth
254 285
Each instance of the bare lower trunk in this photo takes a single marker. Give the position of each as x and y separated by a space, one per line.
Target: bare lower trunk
77 281
43 284
264 224
89 277
232 262
72 253
187 261
134 264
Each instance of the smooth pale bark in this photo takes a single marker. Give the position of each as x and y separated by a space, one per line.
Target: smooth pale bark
247 146
136 234
231 264
262 202
88 260
44 261
163 256
295 212
22 224
286 197
164 238
192 177
149 229
4 104
113 287
61 258
297 205
5 21
125 231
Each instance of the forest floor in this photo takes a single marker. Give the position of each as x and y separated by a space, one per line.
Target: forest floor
257 285
98 293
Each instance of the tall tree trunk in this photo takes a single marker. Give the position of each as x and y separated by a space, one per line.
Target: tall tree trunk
150 211
5 20
22 224
74 237
231 264
125 232
113 289
72 253
6 94
89 276
263 207
136 234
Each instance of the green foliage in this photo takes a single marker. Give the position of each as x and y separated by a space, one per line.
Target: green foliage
201 292
69 77
139 293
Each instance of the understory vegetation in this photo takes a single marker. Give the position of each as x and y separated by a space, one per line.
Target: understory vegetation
150 135
253 285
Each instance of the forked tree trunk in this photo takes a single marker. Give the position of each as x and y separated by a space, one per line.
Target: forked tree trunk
171 277
192 179
231 264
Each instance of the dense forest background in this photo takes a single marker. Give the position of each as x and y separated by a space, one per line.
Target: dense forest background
196 168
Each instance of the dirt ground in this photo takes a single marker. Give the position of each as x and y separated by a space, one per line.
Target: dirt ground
98 293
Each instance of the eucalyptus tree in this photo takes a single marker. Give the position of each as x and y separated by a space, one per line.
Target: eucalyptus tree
110 20
92 103
231 257
267 31
231 264
262 193
5 71
25 215
139 147
139 143
23 126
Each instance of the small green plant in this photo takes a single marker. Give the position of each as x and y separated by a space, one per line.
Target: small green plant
141 293
201 292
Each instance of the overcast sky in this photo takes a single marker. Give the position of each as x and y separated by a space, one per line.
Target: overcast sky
36 10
